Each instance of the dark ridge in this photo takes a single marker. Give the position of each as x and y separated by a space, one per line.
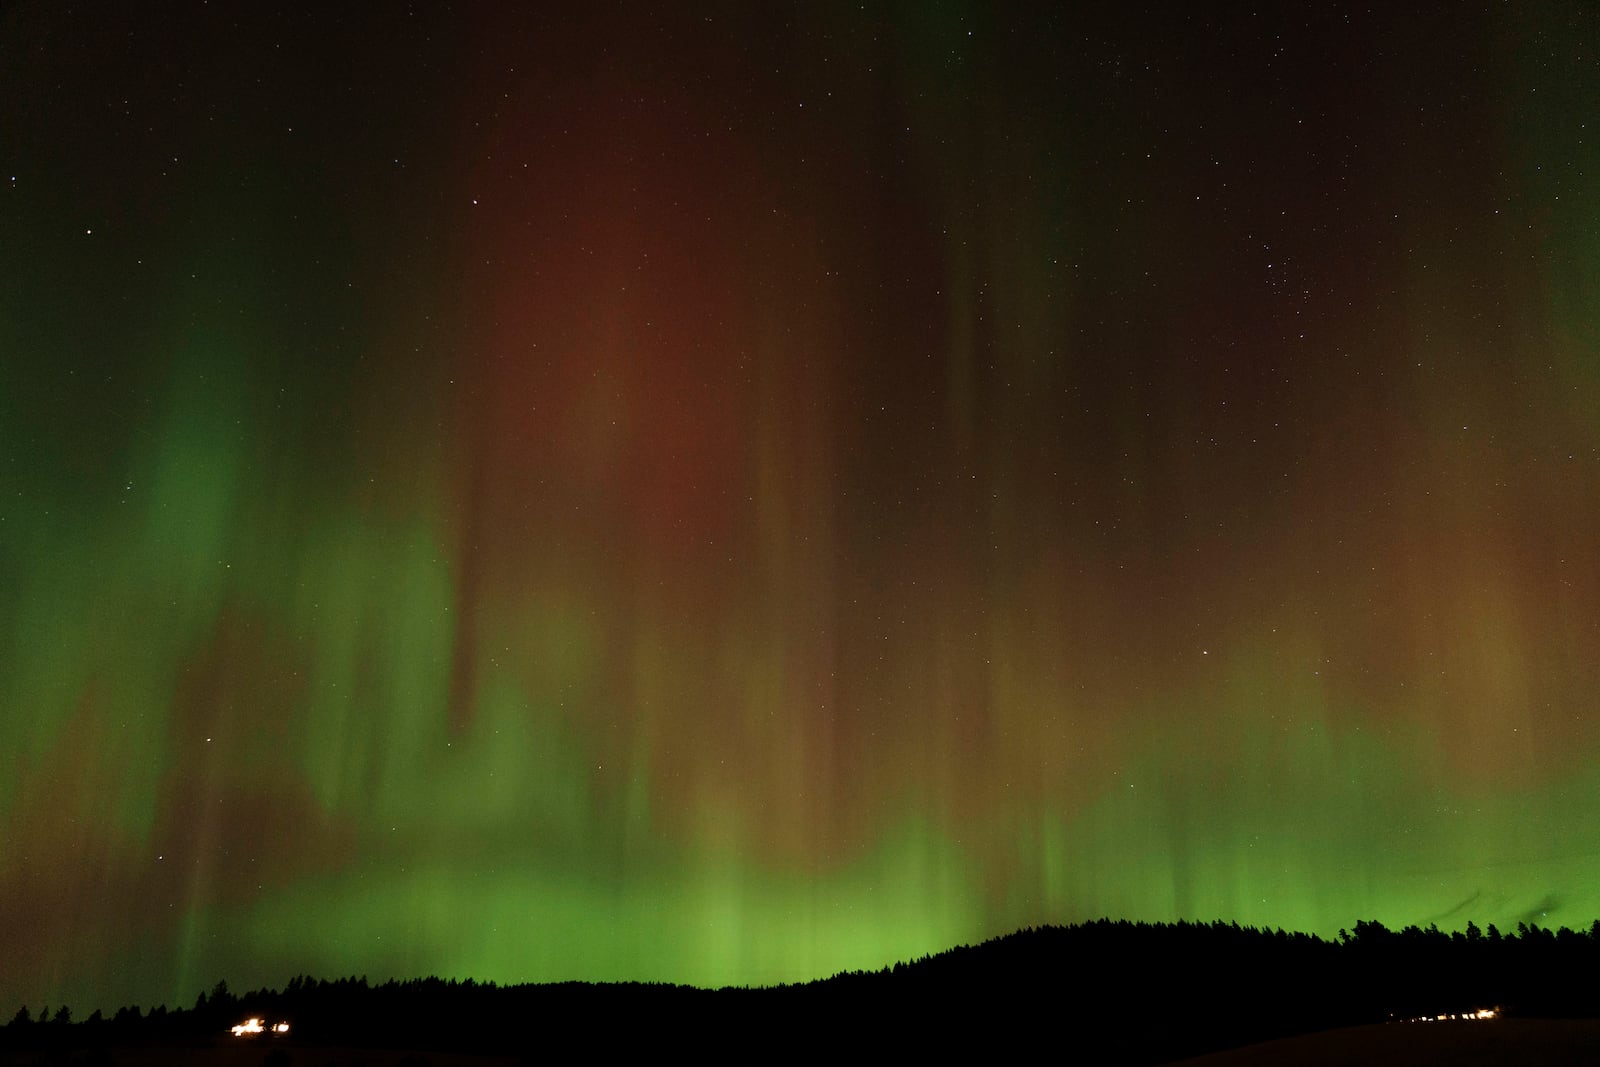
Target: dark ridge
1118 992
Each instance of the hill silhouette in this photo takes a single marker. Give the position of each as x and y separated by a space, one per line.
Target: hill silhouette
1114 991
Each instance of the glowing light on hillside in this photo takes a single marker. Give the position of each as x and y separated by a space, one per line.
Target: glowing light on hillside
256 1025
1466 1016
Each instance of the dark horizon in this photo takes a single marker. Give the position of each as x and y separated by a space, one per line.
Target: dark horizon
1557 993
1118 991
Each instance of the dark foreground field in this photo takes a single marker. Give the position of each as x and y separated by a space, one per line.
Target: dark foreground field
257 1056
1503 1043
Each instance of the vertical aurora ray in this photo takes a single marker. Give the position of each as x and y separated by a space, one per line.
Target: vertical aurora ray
733 498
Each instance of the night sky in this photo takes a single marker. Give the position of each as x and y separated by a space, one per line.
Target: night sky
734 494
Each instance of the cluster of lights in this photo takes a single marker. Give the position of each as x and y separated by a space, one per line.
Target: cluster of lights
1464 1016
254 1025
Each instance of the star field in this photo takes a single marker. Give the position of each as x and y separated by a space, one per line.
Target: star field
732 495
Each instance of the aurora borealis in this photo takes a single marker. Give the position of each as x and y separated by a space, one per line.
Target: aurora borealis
731 493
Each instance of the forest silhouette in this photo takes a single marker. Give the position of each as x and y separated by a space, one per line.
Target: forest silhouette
1116 991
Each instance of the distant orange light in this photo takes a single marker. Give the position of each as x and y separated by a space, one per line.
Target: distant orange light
281 1028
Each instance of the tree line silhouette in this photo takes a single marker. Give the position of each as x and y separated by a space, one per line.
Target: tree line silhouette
1125 991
